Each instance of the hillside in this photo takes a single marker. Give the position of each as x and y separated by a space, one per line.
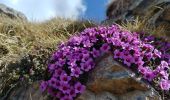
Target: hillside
26 55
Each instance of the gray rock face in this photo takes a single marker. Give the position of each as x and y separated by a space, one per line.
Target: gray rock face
111 81
27 93
11 13
155 12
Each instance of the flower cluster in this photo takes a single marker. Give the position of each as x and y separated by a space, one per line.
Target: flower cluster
76 57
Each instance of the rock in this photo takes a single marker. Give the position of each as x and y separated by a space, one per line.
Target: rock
155 12
111 81
135 95
139 95
11 13
27 93
166 14
87 95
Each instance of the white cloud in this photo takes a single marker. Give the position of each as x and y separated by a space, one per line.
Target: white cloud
40 10
14 1
70 8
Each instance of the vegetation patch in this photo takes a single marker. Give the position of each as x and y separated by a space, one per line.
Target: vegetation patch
144 54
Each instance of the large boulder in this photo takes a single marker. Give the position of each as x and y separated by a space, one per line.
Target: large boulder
11 13
111 81
155 12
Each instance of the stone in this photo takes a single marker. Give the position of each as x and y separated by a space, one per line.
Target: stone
135 95
11 13
87 95
112 81
105 96
27 93
166 14
139 95
155 12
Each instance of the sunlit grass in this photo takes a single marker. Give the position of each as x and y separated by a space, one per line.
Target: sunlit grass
142 25
31 41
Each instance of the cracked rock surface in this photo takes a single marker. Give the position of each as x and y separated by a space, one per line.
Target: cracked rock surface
111 81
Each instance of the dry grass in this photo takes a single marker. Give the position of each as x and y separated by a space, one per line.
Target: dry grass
26 45
142 25
21 37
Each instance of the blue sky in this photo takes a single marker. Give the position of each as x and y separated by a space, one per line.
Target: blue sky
40 10
96 9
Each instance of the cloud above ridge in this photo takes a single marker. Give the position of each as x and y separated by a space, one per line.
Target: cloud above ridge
39 10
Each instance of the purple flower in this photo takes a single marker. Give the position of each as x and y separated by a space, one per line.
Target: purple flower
117 54
85 57
157 53
140 63
149 55
58 72
142 69
65 78
136 42
64 88
52 66
61 62
50 91
116 42
43 86
129 39
124 53
76 40
75 71
164 74
66 97
90 63
137 52
58 54
72 92
86 42
72 62
163 66
109 40
79 88
164 84
150 38
125 46
128 60
148 47
105 47
57 84
149 75
59 94
52 81
85 51
85 67
93 39
137 59
95 53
